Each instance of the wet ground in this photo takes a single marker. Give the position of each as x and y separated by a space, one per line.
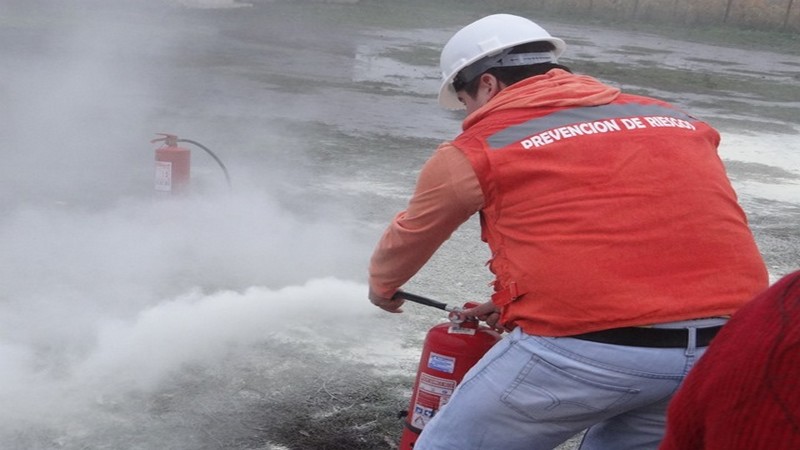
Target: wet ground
237 318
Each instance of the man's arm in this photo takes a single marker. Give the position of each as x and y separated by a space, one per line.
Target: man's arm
447 194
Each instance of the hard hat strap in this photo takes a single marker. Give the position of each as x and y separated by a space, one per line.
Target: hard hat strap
503 59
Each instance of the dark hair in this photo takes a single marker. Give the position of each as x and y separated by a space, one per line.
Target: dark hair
510 75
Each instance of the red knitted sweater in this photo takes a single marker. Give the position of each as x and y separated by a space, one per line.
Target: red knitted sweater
744 393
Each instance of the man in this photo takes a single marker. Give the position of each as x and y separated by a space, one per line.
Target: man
618 246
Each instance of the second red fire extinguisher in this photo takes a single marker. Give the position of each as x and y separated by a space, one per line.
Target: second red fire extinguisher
172 165
449 351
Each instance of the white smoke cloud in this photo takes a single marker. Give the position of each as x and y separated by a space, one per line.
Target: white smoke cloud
101 303
196 327
137 353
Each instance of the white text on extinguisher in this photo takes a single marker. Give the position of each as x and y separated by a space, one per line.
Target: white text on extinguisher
163 176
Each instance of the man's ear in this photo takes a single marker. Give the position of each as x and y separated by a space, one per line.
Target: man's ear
491 83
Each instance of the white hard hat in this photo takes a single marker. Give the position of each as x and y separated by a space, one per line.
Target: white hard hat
489 37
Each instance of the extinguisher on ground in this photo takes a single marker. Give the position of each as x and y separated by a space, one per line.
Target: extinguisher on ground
173 164
449 351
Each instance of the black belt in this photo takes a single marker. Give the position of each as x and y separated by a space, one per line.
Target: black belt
651 337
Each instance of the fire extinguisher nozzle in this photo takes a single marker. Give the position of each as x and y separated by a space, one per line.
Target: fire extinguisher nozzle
421 300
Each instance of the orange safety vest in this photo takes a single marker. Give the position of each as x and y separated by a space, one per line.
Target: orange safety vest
609 216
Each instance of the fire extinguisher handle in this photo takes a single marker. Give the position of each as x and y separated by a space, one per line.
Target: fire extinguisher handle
170 140
423 300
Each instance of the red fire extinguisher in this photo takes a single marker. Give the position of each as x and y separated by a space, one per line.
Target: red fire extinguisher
172 165
449 351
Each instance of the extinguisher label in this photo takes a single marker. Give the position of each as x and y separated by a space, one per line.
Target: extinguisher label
163 176
421 416
432 394
441 363
455 329
436 386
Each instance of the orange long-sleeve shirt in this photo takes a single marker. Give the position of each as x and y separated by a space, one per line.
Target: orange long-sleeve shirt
446 195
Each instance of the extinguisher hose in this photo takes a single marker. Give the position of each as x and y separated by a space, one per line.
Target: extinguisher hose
424 301
219 161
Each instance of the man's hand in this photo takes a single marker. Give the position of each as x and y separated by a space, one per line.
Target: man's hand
386 304
488 313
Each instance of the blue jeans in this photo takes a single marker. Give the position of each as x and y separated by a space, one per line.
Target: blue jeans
531 392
